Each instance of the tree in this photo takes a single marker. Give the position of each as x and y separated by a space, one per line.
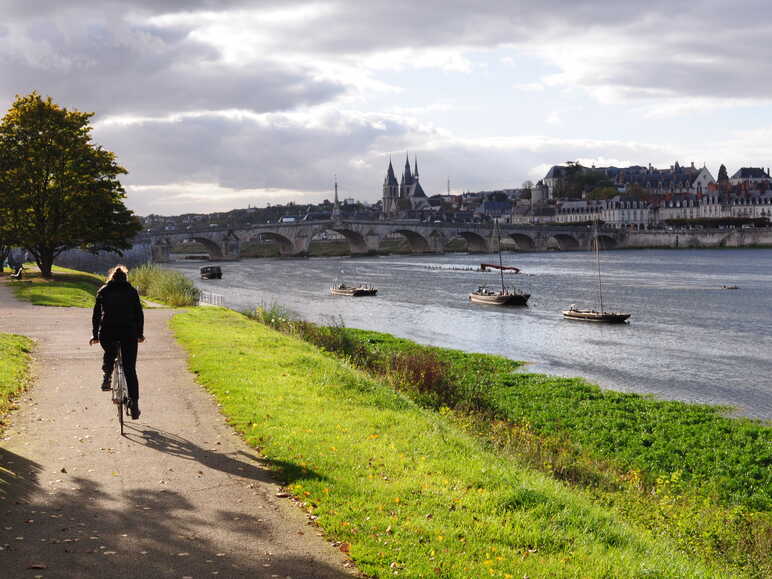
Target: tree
723 179
58 190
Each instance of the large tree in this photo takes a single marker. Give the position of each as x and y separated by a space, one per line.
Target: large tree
58 190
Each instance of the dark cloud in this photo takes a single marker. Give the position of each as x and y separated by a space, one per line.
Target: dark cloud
116 68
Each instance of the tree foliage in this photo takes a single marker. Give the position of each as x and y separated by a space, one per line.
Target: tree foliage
58 190
577 181
723 176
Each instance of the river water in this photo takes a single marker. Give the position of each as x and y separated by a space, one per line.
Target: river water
688 339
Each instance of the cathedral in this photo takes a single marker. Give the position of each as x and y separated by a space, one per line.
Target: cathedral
401 198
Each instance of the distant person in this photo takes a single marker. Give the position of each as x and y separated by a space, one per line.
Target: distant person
118 320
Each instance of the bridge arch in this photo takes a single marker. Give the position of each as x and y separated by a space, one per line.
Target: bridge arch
562 242
522 241
286 247
418 243
356 240
476 243
604 242
212 247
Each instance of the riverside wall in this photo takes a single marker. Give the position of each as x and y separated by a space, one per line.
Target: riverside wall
755 237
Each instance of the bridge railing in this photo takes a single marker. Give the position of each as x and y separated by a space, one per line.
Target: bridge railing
210 299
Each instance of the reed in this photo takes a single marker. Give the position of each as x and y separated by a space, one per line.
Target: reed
164 285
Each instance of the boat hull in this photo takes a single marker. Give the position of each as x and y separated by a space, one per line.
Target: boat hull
598 317
500 299
353 292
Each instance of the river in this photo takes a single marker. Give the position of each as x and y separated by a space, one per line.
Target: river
688 339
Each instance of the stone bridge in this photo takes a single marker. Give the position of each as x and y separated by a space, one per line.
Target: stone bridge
365 237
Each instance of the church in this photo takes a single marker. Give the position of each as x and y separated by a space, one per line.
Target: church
400 198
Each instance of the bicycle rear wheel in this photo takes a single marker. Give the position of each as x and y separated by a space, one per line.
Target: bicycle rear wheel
120 390
120 415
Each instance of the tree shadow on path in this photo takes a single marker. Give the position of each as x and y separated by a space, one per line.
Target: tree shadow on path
75 527
238 463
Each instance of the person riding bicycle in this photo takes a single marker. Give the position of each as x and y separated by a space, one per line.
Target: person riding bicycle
118 319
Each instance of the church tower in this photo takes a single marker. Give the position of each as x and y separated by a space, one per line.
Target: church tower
390 193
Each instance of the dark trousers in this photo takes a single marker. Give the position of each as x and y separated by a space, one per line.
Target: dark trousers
109 339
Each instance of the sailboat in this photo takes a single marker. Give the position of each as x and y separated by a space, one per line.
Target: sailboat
504 297
584 315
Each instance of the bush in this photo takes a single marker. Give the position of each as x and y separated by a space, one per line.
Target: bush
165 285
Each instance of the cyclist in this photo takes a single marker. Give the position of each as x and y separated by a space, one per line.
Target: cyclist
118 319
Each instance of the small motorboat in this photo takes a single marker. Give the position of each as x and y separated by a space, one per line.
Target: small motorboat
341 289
574 313
729 287
211 272
504 297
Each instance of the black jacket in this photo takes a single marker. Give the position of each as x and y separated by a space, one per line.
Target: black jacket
118 308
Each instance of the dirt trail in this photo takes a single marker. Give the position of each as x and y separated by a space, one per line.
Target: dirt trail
180 496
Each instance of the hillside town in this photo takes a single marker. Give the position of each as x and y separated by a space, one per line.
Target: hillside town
636 197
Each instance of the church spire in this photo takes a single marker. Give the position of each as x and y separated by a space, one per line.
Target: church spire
415 167
336 203
408 173
390 177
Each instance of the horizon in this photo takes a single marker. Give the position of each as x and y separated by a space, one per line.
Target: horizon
219 106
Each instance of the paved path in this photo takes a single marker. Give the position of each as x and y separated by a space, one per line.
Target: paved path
180 496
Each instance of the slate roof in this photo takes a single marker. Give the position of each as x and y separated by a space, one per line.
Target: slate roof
750 173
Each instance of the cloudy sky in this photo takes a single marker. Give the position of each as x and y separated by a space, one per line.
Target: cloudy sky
218 104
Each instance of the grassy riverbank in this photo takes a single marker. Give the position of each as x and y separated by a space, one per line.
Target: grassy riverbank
405 489
67 288
15 359
681 470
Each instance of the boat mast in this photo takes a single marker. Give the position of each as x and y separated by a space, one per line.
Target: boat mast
597 262
501 265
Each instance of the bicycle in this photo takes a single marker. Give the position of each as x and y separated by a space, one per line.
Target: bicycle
119 389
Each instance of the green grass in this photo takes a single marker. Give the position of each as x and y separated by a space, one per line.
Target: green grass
408 492
68 288
729 457
15 360
661 464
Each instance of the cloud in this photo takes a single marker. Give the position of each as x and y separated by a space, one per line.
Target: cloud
231 160
197 197
254 97
529 87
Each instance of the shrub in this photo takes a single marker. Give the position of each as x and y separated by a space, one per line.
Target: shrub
422 374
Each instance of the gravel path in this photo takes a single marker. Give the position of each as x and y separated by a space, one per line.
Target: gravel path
180 496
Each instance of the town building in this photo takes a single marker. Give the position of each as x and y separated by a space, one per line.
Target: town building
751 176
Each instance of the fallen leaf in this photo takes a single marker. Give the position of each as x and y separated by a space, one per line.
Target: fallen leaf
344 547
37 566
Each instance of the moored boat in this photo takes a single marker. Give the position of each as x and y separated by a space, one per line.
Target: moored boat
574 313
588 315
211 272
504 297
363 289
